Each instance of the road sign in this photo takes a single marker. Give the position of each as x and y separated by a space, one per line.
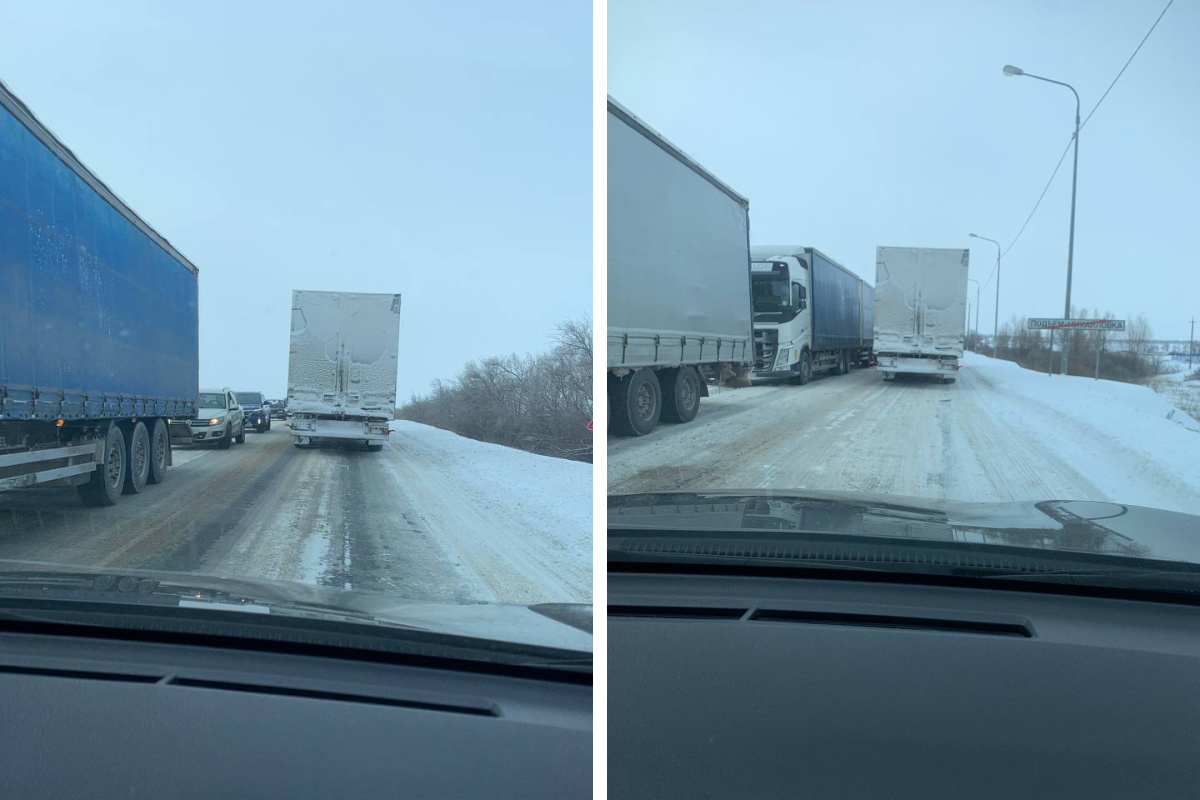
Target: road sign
1039 323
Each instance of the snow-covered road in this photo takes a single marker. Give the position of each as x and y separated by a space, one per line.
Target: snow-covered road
999 433
433 517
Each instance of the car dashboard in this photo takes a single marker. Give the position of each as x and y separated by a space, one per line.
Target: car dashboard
725 685
131 719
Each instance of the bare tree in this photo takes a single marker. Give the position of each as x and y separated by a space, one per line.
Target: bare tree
537 403
1138 335
1005 334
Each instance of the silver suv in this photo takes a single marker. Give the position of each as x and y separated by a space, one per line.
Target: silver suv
219 418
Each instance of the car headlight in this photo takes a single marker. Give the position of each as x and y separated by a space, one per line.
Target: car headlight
214 421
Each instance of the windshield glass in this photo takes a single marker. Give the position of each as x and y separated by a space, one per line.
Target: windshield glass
772 292
430 471
975 343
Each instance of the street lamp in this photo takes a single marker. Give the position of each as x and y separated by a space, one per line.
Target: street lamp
1012 71
977 287
996 322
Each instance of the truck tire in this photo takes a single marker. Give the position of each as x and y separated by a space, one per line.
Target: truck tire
241 437
137 468
681 395
804 374
160 451
227 439
639 404
844 363
108 479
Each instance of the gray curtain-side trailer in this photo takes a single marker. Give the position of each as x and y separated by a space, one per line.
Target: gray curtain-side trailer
679 312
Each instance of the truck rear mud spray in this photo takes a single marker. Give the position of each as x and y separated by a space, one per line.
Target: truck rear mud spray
342 367
920 311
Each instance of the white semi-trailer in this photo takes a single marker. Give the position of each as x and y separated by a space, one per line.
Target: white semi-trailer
342 367
920 311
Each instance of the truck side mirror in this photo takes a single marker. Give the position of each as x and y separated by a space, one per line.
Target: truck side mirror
799 298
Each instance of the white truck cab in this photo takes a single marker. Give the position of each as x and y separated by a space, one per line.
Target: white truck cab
810 313
782 320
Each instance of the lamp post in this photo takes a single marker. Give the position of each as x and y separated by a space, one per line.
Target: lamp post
996 321
1012 71
977 287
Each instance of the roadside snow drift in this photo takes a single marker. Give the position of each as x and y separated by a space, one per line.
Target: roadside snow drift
520 524
1130 442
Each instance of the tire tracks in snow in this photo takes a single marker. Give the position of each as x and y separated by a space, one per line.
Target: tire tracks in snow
908 437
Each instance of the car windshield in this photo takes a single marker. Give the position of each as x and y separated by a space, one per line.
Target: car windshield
973 344
432 472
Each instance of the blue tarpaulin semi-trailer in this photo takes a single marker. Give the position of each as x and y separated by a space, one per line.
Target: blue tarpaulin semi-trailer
836 312
98 312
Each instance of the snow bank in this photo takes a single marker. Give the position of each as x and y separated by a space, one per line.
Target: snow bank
532 512
553 492
1108 430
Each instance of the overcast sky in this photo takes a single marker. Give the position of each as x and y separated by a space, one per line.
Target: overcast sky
438 150
856 124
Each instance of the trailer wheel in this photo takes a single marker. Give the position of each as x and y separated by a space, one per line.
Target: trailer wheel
804 375
844 363
639 404
681 395
160 451
108 478
137 446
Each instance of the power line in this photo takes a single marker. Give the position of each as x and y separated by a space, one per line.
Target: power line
1085 122
1045 189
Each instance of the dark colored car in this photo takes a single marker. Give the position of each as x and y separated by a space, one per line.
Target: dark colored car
258 410
278 409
